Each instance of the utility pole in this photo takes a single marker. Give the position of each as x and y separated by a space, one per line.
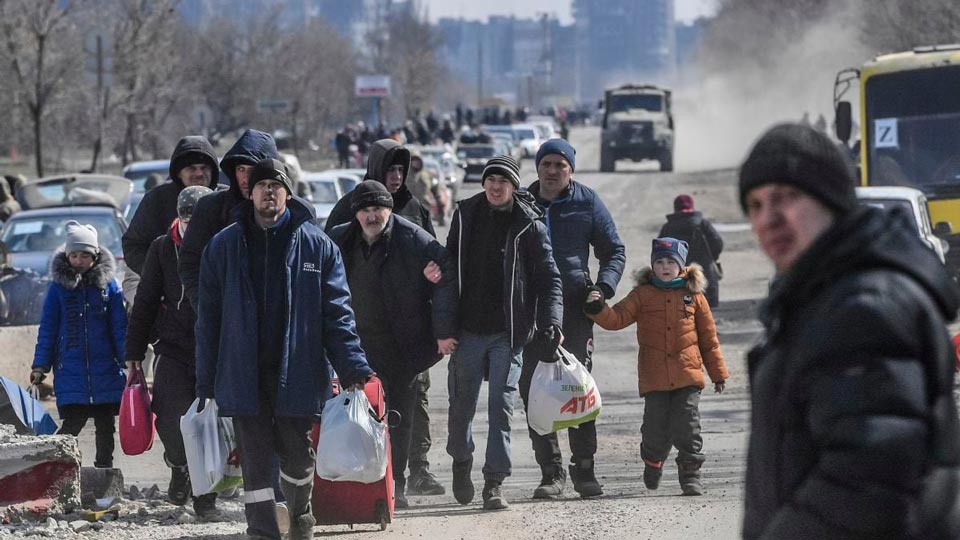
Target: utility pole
101 105
479 72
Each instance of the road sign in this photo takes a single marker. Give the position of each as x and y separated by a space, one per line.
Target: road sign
372 86
275 106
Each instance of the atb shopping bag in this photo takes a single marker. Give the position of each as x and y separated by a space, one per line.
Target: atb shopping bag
563 394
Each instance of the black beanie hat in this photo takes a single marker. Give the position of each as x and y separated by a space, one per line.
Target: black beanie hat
370 193
270 169
805 158
505 166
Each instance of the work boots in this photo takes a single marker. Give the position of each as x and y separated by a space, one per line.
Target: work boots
462 484
652 471
493 498
584 481
301 527
179 489
422 482
690 482
399 498
551 485
205 506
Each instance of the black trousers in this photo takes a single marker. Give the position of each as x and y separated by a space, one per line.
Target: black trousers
420 441
174 389
262 438
672 418
578 341
75 417
400 393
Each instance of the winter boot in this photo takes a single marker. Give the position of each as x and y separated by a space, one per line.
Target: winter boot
205 506
551 485
652 471
690 482
179 489
493 498
301 527
462 485
584 482
422 482
399 498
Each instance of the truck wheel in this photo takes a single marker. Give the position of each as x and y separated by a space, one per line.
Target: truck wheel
607 162
666 160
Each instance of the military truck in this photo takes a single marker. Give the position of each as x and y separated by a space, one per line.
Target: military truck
637 125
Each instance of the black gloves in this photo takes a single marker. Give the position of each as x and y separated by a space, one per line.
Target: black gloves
594 308
545 343
37 376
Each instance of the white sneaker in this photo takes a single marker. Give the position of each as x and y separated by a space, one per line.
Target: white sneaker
283 518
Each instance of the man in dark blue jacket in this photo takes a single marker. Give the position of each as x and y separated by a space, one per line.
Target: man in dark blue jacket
275 285
576 219
509 289
403 295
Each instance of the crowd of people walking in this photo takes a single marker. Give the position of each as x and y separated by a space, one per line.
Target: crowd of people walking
248 302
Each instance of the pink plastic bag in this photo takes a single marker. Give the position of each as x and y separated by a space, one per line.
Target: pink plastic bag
136 419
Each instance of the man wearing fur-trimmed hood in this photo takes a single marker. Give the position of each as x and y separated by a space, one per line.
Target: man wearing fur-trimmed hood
677 338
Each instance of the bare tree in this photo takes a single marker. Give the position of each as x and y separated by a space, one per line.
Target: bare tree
41 51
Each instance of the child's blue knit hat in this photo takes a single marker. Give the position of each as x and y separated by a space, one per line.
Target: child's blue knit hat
670 248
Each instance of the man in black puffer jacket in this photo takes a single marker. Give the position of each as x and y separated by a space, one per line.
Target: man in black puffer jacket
193 163
854 430
388 164
213 213
403 298
160 304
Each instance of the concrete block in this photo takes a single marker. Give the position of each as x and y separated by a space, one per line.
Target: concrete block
38 475
100 483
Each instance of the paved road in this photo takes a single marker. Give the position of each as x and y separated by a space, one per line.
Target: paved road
638 196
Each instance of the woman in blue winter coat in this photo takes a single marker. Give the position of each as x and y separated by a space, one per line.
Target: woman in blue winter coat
81 337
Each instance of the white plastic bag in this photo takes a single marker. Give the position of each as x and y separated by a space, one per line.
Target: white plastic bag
213 457
352 446
563 394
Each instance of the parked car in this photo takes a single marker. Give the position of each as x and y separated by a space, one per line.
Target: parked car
508 146
138 171
450 169
347 178
326 191
76 189
913 203
32 236
530 139
474 158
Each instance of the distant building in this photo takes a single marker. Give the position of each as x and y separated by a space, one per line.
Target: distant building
511 60
623 41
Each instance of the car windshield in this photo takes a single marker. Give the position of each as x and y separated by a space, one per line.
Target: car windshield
527 134
888 205
476 151
323 191
47 233
915 141
624 102
139 177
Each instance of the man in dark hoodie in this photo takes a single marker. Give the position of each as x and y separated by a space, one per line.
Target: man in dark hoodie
854 430
506 297
388 164
193 163
213 213
705 242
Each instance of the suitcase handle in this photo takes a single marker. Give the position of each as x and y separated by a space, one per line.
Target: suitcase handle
386 417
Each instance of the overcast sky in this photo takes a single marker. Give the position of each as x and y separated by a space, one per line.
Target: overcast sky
686 10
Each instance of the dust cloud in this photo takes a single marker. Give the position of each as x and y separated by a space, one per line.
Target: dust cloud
721 111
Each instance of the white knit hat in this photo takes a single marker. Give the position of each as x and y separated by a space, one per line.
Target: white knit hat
81 238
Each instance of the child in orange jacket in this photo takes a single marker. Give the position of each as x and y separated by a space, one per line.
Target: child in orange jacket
677 337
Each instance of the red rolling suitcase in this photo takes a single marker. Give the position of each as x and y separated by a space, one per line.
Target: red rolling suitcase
347 503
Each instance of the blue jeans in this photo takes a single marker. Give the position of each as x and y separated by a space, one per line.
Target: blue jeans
476 355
